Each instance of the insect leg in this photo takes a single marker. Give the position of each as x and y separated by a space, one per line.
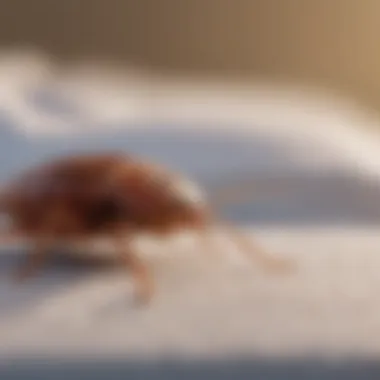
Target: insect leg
255 251
142 277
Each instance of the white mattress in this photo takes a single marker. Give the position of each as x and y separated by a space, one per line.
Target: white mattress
214 306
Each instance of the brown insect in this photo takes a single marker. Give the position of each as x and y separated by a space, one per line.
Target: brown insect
86 196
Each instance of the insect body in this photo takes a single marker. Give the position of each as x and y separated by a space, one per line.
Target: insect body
87 196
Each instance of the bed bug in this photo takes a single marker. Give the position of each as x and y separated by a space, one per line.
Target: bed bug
84 196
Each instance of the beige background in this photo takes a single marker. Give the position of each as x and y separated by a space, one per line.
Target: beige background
327 42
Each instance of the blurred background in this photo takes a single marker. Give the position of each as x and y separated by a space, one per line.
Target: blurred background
323 43
278 97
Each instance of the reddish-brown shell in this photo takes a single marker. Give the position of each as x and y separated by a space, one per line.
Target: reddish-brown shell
99 193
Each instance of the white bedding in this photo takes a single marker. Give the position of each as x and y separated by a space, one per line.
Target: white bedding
208 306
